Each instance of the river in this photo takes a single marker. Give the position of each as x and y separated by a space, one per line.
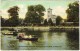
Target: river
47 40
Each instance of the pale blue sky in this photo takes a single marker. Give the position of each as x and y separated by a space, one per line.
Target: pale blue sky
58 6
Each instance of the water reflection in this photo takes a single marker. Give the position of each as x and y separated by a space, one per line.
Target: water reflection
46 41
73 39
12 44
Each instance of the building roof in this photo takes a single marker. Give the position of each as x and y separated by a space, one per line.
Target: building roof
49 9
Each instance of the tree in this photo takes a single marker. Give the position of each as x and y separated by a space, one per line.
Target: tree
73 12
2 21
50 22
45 22
13 14
34 15
58 20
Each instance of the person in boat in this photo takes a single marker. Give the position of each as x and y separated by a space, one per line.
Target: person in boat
21 35
26 37
30 36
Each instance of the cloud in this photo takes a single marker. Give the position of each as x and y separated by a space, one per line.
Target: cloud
4 13
22 11
45 15
60 10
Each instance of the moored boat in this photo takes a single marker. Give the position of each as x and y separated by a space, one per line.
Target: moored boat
7 33
29 39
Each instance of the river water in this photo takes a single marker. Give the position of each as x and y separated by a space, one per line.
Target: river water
59 40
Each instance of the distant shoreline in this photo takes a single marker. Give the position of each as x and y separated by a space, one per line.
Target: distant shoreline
43 27
47 28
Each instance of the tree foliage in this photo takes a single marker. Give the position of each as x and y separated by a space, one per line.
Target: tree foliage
50 22
13 16
2 21
45 22
34 14
58 20
73 12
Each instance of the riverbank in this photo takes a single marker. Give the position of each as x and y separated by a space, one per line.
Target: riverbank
43 27
47 28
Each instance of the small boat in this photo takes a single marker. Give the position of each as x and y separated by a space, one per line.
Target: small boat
13 33
22 37
29 39
7 34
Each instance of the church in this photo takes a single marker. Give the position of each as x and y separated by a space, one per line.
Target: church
50 15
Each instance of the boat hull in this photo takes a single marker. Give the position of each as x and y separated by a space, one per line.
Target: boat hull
7 34
28 39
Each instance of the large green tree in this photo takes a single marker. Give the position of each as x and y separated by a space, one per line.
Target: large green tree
73 12
34 15
13 16
58 20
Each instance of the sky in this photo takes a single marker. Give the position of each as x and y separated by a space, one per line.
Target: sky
58 6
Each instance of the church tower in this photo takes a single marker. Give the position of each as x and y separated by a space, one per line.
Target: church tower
49 13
